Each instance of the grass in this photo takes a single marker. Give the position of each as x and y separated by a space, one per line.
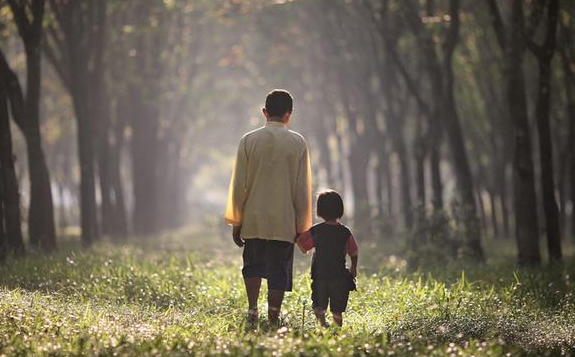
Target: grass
182 294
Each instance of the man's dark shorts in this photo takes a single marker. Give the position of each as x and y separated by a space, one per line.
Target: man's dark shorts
334 291
271 260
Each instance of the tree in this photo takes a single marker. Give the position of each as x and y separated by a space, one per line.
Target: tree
443 112
10 232
74 48
512 40
544 54
28 16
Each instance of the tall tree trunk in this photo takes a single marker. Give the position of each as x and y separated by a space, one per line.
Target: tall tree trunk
482 213
504 204
358 162
569 85
419 149
41 226
436 182
120 215
3 237
88 210
544 55
26 113
494 220
144 162
452 128
63 216
524 197
10 221
394 120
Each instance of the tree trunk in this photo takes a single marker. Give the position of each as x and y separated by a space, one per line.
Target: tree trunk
504 204
452 128
10 221
120 215
104 157
494 220
3 242
26 112
544 55
482 213
88 210
436 183
524 197
144 159
63 216
358 162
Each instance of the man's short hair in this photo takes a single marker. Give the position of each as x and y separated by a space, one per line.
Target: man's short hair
279 102
329 205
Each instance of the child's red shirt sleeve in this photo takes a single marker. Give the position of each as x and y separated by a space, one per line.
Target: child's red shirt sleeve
351 246
305 241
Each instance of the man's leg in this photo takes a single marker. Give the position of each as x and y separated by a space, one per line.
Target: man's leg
253 291
279 266
275 299
253 270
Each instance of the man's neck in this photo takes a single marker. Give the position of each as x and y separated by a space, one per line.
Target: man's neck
276 120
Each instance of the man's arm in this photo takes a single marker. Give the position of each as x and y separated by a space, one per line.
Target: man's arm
236 236
303 194
236 193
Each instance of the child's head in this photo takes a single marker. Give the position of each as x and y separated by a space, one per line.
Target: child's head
329 205
279 104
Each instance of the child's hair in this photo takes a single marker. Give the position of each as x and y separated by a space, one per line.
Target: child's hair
329 205
279 102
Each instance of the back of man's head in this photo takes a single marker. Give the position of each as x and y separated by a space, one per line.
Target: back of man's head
278 103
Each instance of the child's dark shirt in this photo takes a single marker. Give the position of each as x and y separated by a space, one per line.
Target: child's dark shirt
331 242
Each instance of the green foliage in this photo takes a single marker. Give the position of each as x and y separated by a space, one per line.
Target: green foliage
160 298
438 236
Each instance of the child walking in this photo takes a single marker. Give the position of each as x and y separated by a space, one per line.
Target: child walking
331 281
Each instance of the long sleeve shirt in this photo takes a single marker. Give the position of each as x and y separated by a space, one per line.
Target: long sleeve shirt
270 190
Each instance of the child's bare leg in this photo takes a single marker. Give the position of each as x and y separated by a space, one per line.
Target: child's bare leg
338 318
253 291
320 314
275 299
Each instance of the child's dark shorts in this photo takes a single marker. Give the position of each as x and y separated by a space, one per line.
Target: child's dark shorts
271 260
334 291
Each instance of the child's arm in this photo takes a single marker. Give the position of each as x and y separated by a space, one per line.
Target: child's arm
305 241
353 267
353 251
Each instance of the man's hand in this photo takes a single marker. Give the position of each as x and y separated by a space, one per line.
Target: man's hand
236 236
353 270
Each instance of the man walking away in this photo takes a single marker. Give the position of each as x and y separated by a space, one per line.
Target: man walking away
269 203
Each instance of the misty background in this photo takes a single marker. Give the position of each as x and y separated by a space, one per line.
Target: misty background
444 130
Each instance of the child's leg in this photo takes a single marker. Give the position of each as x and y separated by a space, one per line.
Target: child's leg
339 294
320 314
338 318
320 300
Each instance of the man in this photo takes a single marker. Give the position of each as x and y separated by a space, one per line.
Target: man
269 203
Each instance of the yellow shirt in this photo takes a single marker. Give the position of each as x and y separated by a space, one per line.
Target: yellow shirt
270 190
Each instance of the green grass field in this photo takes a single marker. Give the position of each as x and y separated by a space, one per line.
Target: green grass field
182 294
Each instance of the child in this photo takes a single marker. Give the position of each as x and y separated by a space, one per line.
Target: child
332 240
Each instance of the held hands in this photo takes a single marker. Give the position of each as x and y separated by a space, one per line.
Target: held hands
236 236
353 270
